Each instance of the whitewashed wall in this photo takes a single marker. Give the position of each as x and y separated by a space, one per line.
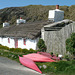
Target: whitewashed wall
29 43
1 40
11 45
4 42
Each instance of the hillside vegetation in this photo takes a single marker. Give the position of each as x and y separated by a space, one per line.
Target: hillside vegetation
33 13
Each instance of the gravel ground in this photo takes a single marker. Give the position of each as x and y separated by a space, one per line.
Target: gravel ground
10 67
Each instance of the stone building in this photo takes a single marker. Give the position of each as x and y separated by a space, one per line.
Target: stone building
55 35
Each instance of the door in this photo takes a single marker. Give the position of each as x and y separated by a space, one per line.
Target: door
16 42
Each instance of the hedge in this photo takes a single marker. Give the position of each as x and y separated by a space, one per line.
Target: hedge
18 50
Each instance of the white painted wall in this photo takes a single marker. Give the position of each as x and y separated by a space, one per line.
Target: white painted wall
29 43
1 40
42 33
56 15
12 44
4 42
51 15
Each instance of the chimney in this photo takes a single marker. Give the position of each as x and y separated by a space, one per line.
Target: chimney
5 24
56 15
20 17
20 21
57 6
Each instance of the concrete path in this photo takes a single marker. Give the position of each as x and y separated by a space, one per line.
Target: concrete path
10 67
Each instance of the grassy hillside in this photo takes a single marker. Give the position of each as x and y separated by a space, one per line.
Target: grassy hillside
33 13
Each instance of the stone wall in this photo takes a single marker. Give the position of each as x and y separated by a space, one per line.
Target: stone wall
56 34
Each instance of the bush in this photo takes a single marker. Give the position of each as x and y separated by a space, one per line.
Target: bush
31 50
70 44
17 50
12 49
26 51
41 45
67 57
51 53
4 47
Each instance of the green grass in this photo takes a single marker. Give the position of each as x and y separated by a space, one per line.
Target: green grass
11 55
54 68
58 68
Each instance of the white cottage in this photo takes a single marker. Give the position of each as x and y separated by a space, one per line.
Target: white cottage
27 35
22 35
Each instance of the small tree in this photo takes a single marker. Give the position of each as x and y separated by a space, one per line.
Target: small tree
70 44
41 45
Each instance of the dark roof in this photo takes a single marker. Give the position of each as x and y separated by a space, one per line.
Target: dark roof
29 30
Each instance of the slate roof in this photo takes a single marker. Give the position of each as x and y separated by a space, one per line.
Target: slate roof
29 30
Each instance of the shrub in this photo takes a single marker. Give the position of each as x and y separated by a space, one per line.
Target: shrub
41 45
12 49
17 50
31 50
4 47
37 51
70 44
26 51
67 57
51 53
56 55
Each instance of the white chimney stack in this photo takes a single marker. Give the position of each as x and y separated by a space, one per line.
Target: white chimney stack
56 15
20 21
5 24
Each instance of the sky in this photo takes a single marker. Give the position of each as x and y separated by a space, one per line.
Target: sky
20 3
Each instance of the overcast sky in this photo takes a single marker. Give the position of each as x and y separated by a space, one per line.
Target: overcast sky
18 3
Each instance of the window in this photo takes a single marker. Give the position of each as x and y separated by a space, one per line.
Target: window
24 40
